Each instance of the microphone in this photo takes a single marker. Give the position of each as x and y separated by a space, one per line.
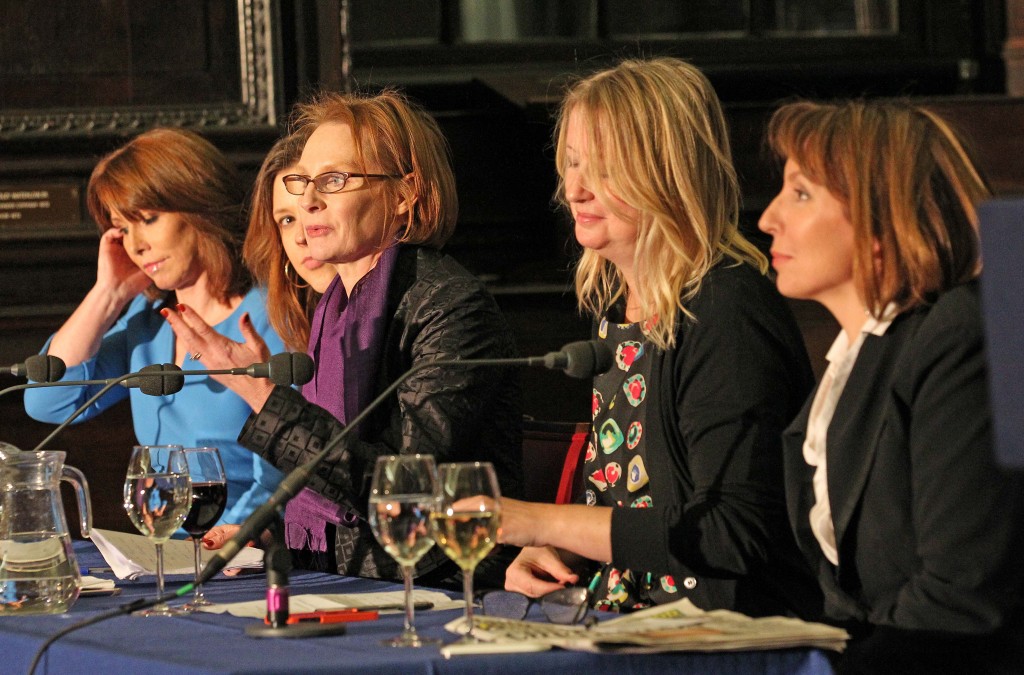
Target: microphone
577 359
286 369
161 379
38 368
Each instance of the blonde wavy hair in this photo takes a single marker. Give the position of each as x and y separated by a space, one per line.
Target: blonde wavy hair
909 188
660 145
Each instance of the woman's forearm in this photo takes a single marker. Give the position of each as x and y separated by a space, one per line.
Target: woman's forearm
585 531
79 338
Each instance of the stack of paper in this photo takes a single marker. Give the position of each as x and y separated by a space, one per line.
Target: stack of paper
131 556
678 626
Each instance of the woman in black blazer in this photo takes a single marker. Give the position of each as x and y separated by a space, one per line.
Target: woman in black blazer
892 487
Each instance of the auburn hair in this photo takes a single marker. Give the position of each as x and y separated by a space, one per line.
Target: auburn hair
177 171
909 187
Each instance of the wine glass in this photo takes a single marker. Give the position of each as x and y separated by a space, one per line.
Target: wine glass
465 521
401 498
157 497
209 497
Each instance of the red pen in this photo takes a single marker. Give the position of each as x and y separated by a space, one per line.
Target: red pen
331 616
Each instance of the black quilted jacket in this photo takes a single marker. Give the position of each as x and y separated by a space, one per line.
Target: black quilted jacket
440 311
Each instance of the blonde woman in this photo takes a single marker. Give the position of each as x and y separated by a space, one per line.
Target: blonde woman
683 477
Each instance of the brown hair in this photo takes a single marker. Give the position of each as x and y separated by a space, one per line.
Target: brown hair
660 143
177 171
403 140
909 188
289 305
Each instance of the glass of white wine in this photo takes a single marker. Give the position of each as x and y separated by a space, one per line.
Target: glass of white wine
466 517
157 497
401 500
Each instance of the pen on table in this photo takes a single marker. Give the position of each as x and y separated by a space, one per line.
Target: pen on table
95 570
418 606
346 614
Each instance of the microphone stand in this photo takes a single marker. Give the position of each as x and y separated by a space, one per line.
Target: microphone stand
108 385
158 371
277 560
580 359
593 357
261 518
271 513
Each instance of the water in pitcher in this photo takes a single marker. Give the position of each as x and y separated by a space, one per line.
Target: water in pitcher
38 574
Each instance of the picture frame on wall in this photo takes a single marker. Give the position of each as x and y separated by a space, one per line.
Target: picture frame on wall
91 69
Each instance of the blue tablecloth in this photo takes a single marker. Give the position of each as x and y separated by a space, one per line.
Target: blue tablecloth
217 643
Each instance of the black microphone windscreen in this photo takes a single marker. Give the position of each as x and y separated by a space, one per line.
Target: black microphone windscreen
290 368
587 358
302 368
161 385
44 368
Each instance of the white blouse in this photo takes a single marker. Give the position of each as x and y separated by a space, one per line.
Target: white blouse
841 357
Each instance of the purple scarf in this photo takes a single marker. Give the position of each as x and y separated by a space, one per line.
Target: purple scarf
345 341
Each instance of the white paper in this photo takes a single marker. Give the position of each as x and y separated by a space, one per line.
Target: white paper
257 609
131 556
96 583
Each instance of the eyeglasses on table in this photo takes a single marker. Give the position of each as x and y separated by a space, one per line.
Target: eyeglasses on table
565 606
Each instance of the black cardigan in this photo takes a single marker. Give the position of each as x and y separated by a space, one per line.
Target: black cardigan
736 376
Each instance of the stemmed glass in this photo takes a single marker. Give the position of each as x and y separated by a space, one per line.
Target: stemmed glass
466 518
157 497
209 497
401 499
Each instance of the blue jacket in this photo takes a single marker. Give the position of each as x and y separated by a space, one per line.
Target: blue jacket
204 412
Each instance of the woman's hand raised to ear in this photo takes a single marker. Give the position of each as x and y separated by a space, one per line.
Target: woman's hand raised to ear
116 274
218 352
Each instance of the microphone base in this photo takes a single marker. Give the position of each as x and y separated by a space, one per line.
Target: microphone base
296 630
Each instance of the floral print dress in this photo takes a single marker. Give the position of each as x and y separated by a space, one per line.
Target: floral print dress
616 465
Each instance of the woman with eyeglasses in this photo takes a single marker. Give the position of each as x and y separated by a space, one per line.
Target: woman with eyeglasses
683 475
915 533
376 198
169 206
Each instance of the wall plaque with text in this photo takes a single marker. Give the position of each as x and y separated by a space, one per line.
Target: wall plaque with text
44 208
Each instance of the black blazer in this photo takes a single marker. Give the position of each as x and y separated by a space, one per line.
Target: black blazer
929 531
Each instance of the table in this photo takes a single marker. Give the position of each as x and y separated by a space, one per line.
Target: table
217 644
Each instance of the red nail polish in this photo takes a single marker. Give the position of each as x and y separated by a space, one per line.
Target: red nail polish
165 312
181 307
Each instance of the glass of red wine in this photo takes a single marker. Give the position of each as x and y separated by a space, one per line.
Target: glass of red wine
209 496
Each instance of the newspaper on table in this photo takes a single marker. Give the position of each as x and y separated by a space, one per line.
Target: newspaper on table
677 626
131 556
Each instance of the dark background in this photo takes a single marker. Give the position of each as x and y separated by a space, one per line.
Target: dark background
78 79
